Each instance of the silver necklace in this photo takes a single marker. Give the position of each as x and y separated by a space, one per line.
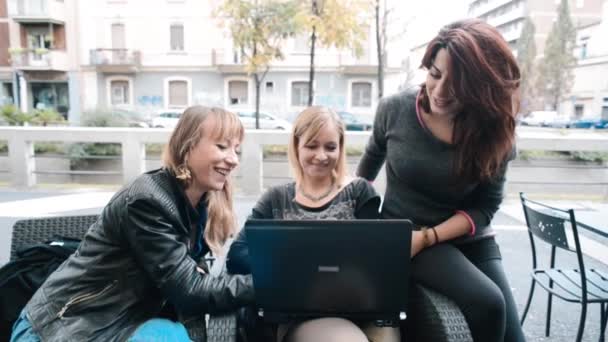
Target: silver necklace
319 197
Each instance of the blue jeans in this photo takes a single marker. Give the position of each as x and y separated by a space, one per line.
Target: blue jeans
22 330
156 330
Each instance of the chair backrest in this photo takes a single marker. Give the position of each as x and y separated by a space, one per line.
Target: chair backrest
31 231
552 225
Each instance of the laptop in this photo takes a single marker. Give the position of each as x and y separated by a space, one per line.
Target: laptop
357 269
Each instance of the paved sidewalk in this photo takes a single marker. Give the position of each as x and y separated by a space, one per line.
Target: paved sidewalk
512 237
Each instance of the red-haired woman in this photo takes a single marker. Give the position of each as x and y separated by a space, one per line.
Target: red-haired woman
446 146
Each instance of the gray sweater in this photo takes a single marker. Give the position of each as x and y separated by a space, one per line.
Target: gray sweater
420 183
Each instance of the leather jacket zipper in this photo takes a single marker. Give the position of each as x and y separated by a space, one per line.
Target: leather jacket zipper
84 297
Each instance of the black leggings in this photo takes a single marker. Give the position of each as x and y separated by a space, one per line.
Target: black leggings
472 276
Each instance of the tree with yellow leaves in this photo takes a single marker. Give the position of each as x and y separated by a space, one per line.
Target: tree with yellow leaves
258 29
332 23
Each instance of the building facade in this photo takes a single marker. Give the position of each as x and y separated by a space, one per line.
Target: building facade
147 56
508 16
589 94
6 74
173 55
42 51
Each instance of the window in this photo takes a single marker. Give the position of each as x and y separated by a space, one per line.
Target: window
605 112
269 87
6 94
301 43
177 37
178 93
299 94
119 91
579 109
361 94
238 92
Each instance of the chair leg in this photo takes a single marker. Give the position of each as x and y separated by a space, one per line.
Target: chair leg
548 323
530 294
581 324
603 320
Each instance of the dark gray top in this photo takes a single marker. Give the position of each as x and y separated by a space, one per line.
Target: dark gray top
420 183
358 199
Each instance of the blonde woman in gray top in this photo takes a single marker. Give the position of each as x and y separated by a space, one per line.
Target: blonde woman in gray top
321 190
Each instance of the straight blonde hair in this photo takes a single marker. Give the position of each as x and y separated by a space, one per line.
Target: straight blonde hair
306 128
221 219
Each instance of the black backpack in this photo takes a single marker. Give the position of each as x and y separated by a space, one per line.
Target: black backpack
20 278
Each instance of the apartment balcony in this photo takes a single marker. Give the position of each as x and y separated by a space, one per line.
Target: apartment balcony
40 11
514 14
39 59
488 7
116 60
227 61
362 65
512 35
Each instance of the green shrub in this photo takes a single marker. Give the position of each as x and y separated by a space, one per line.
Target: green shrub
79 152
44 117
13 116
154 148
103 118
597 157
49 147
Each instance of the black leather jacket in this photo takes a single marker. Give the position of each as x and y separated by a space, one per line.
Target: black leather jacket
132 261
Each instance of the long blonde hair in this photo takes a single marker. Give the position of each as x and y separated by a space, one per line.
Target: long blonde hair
306 128
221 219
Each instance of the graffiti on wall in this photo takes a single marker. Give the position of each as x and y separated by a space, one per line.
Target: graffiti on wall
208 99
150 101
336 102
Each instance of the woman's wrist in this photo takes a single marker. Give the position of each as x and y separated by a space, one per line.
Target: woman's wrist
429 236
436 235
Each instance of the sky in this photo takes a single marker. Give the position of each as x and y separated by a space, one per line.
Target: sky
428 16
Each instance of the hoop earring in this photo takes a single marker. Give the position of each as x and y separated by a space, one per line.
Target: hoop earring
183 173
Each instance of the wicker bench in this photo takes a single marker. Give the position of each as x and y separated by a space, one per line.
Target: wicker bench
437 318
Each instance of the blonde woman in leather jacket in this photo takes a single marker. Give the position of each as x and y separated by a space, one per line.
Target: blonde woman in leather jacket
138 274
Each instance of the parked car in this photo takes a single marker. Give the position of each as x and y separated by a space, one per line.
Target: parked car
267 121
590 123
166 119
559 122
131 118
354 123
538 118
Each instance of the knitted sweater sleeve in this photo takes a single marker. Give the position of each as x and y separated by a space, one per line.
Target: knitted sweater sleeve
375 151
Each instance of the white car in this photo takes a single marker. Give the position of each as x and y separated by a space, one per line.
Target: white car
267 121
539 118
166 119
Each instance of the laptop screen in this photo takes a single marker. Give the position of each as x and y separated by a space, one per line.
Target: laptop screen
315 268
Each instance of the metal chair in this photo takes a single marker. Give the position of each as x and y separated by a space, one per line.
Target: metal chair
558 228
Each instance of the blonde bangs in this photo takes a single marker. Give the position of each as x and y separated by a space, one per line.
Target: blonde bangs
306 128
227 125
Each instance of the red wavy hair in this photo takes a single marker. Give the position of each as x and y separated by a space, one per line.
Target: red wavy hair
484 77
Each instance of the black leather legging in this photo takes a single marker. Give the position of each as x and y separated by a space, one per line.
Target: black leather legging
472 276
